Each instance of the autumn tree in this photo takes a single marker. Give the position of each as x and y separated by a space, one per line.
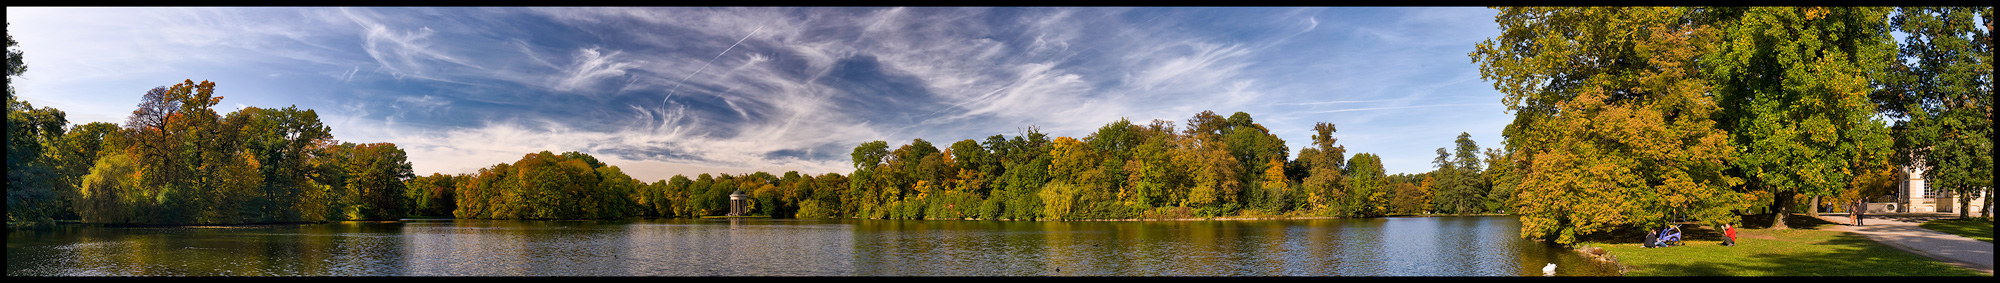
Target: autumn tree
1413 196
1325 184
1613 118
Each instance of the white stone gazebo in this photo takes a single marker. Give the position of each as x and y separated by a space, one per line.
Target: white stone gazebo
737 201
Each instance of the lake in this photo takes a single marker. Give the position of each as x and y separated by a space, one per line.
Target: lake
1396 246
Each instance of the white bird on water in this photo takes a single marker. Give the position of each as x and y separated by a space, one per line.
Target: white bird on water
1549 270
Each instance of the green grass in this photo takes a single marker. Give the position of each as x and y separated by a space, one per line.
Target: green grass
1801 251
1978 229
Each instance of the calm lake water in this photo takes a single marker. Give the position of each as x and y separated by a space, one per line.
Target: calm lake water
1402 246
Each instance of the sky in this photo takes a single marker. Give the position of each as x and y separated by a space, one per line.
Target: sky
665 91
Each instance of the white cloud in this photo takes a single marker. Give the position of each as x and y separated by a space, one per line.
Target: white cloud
747 82
591 67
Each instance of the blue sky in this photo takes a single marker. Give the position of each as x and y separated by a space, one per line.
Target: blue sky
664 91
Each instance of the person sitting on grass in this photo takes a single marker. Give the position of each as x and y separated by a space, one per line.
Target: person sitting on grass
1729 235
1652 238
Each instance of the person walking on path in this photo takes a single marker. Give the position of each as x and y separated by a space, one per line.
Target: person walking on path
1901 234
1857 212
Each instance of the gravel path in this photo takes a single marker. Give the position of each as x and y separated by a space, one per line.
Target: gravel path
1902 232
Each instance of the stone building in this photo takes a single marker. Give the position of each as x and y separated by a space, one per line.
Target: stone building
1915 195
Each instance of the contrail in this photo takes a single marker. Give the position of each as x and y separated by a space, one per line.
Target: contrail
704 66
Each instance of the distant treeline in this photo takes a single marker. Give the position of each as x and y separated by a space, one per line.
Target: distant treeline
177 161
1216 167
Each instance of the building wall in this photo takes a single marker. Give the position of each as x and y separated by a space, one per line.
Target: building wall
1911 196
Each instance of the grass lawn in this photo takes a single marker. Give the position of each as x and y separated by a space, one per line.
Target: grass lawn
1801 251
1970 228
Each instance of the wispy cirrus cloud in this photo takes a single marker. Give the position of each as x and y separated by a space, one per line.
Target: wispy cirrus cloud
756 88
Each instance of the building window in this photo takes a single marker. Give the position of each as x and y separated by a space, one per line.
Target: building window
1927 191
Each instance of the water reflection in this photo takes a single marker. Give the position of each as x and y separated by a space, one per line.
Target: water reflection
1430 246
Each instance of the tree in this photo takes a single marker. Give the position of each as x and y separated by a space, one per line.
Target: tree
431 195
1613 119
1414 197
375 184
1793 83
30 174
1324 183
1443 184
1213 173
869 155
1368 187
72 157
1462 190
112 192
1277 191
1942 83
282 141
1500 174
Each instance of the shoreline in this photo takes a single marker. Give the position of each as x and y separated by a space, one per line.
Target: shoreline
246 225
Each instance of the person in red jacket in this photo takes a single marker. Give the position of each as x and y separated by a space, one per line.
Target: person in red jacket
1730 232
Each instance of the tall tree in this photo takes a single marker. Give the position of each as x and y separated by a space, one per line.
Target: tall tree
1793 83
1613 118
1942 83
1464 190
1324 183
1444 184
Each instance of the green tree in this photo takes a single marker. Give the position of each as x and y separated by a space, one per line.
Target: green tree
431 195
1368 187
282 142
1942 83
30 175
1793 83
72 157
112 192
1444 184
1500 175
1462 189
375 184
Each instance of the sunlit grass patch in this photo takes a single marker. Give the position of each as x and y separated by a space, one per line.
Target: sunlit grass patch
1977 229
1793 252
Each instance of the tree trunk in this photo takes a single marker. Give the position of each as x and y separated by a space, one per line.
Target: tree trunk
1964 202
1814 210
1784 208
1986 211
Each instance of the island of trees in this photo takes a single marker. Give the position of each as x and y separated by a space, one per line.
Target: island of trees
1624 117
